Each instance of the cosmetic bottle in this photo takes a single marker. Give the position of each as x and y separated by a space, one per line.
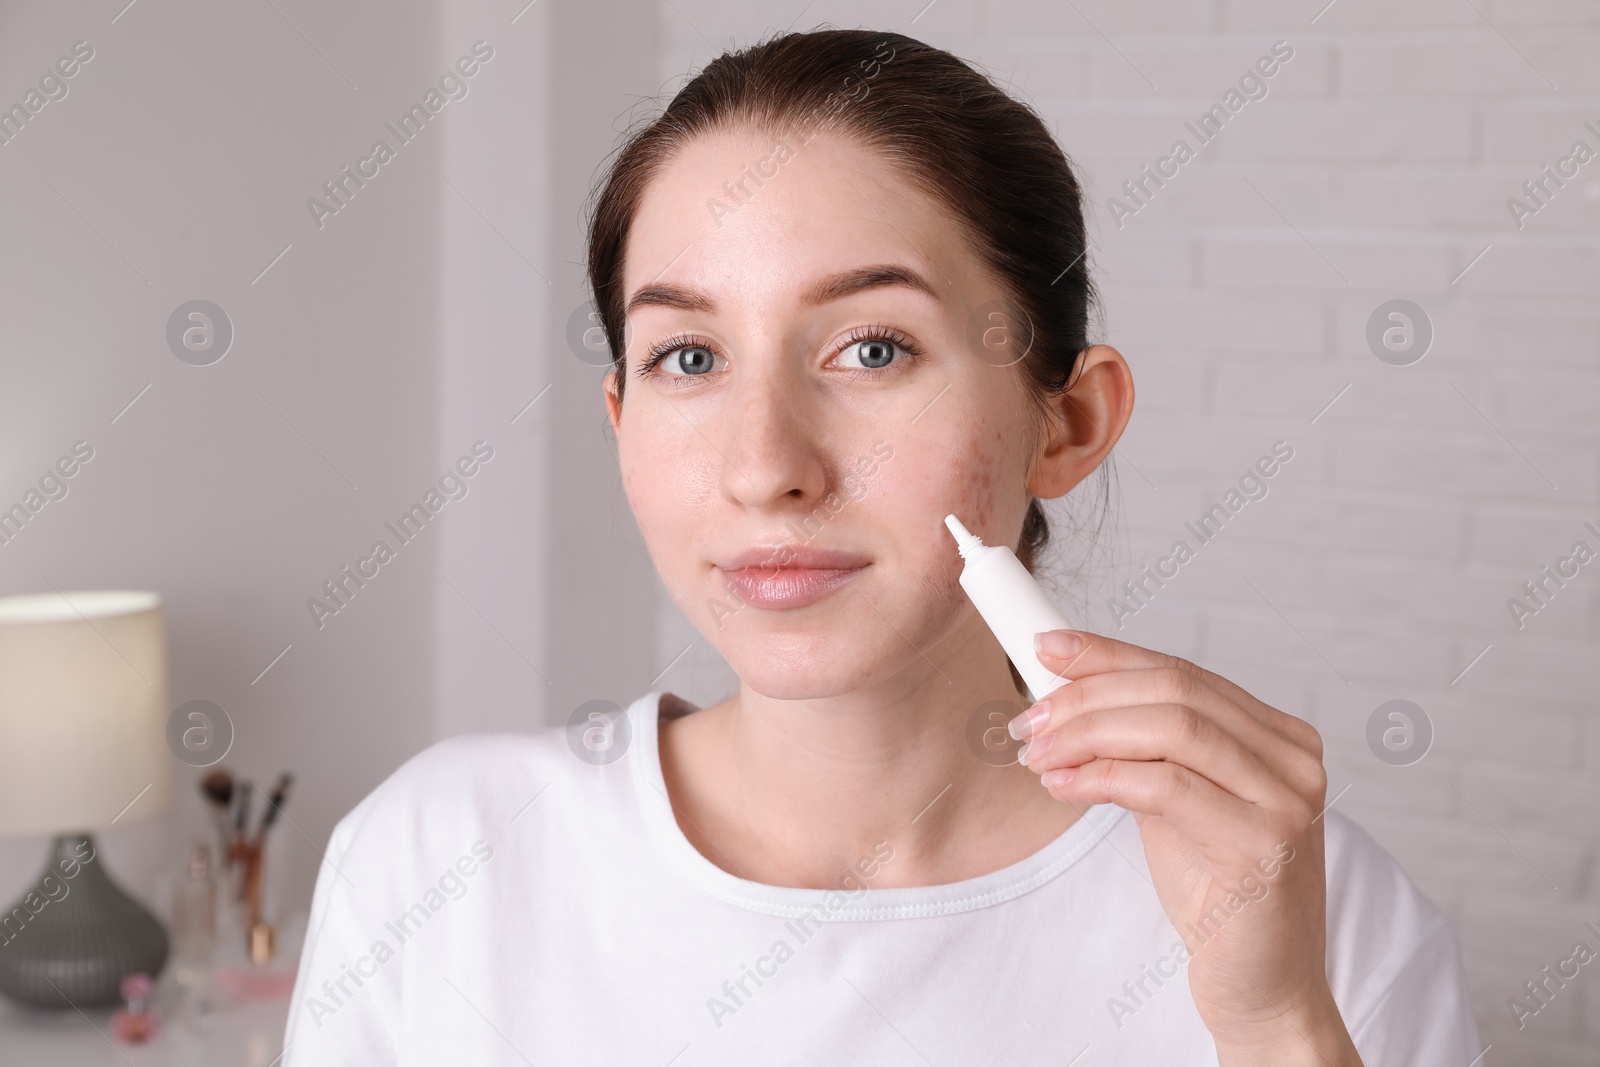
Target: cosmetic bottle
194 936
136 1023
1011 602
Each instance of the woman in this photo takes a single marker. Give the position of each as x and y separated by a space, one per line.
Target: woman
845 284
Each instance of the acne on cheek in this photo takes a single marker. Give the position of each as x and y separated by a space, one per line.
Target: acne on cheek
969 486
979 500
972 494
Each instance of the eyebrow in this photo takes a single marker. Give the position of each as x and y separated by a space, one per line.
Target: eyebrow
834 287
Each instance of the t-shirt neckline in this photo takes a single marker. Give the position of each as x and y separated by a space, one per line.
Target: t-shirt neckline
844 903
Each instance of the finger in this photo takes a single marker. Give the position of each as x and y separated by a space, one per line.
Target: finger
1129 688
1076 654
1196 808
1170 732
1167 685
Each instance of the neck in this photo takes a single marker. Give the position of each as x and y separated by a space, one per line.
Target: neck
804 791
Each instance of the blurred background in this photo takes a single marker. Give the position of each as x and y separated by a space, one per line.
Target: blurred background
1341 270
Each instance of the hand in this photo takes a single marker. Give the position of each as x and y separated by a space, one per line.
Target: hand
1228 794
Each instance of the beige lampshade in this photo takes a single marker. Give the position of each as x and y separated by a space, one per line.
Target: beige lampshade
83 694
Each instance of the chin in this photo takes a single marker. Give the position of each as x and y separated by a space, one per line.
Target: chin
831 661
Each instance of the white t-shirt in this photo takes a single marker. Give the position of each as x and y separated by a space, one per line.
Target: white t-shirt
499 900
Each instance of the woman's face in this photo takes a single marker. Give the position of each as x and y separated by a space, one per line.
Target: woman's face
818 407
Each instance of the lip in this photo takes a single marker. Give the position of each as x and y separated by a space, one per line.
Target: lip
787 576
791 555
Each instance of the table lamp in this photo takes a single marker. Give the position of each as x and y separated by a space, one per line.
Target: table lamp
82 746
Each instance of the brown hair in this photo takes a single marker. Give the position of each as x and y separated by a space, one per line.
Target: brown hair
956 135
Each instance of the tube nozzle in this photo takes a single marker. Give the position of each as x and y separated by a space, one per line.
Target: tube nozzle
966 541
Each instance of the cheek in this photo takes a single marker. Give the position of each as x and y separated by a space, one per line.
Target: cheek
669 484
959 469
650 486
973 476
980 489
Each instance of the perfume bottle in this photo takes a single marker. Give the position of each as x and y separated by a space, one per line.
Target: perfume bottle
136 1023
194 935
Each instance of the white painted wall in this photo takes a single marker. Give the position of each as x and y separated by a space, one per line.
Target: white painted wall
187 148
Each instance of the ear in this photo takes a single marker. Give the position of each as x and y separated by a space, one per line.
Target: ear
1085 422
608 385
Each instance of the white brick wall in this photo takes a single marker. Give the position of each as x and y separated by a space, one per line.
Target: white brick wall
1392 540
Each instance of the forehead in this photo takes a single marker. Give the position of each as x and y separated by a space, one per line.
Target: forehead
744 210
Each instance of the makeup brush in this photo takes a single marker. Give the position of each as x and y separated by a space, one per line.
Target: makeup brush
241 813
217 788
280 794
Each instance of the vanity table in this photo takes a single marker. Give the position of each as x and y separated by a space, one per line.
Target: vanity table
240 1035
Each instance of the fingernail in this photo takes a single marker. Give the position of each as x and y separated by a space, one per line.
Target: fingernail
1024 725
1062 644
1060 776
1036 749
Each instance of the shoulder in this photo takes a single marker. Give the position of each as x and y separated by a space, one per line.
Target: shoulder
1392 955
480 785
446 791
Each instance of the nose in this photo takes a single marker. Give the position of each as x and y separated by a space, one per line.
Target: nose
771 437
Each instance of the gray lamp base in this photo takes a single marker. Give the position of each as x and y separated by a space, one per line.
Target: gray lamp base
72 938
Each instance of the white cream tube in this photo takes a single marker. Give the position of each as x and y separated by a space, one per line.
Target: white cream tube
1011 602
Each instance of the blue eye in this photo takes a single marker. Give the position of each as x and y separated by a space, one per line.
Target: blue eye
875 347
688 361
873 353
